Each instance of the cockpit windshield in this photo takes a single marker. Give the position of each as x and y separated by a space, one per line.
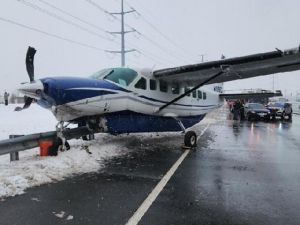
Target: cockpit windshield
122 76
99 74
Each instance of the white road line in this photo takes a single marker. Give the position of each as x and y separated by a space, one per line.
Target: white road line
203 131
137 216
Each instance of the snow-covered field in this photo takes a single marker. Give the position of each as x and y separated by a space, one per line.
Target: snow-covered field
32 170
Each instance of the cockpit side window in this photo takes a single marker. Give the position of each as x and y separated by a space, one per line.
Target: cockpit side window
153 85
122 76
141 84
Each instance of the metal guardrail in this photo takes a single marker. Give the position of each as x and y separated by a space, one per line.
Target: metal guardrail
32 140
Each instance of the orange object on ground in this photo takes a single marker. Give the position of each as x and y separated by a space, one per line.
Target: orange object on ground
44 147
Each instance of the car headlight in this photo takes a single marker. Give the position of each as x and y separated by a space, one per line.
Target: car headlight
252 111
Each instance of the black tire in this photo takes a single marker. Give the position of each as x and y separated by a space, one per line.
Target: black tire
68 147
190 139
84 138
53 150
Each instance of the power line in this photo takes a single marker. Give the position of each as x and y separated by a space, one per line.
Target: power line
101 8
182 50
67 39
36 7
160 47
154 59
163 35
50 34
74 17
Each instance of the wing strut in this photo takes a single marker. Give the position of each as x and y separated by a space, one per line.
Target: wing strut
191 90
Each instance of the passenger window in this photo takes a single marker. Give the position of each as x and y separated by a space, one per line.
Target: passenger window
204 95
186 89
163 86
175 89
141 84
153 85
200 94
195 94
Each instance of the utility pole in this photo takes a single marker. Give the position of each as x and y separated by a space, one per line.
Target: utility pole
122 33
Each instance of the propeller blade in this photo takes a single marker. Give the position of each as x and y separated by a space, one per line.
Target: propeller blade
29 62
28 102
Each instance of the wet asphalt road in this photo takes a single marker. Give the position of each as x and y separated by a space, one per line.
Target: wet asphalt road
240 173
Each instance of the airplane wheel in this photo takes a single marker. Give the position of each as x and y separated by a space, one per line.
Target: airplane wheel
190 139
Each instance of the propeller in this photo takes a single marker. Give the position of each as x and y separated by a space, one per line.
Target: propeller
29 63
30 70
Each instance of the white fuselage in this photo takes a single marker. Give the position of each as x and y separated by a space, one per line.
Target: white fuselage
144 101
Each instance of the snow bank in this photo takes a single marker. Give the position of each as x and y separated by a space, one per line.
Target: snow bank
33 170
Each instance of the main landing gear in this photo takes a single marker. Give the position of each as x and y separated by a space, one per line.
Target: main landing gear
190 137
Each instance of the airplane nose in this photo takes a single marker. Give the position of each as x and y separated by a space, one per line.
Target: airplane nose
33 89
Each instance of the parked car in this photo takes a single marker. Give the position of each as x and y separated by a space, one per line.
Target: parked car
256 111
280 109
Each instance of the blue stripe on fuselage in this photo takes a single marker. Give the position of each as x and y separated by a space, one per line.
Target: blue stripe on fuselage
156 100
69 89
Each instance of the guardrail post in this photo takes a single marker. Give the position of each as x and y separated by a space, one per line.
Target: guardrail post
14 156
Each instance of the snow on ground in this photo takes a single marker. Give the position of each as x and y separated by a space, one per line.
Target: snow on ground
32 170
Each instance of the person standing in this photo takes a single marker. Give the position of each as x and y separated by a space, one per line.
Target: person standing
242 110
6 95
237 110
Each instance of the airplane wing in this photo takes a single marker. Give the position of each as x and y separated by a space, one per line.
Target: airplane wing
233 68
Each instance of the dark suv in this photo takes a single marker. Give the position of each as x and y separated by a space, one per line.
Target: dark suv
280 109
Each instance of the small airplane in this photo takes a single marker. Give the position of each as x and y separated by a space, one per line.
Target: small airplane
125 100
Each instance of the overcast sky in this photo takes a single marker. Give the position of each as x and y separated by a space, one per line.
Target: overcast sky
173 33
